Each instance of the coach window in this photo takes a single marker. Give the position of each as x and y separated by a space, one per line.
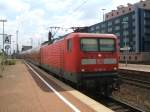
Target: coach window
69 45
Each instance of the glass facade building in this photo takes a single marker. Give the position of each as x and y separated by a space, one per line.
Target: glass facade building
132 26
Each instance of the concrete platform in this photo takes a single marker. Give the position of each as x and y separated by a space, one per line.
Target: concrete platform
22 91
135 67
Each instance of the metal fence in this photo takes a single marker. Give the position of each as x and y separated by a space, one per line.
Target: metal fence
132 57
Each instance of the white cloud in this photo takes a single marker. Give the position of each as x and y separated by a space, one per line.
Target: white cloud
32 18
57 5
15 5
19 6
31 24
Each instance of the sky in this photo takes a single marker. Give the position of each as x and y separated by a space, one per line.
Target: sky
32 18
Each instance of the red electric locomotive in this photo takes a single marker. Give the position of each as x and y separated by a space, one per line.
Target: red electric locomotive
82 58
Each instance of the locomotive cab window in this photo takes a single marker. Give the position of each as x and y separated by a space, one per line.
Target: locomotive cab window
89 44
102 45
107 45
69 45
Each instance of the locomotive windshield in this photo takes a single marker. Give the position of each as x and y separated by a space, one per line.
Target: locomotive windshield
89 44
103 44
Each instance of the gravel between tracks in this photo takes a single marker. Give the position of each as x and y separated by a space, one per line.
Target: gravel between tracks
136 96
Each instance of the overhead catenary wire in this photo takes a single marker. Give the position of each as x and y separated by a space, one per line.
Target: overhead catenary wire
84 2
70 14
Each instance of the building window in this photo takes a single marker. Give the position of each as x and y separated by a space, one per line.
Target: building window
133 48
126 18
117 27
109 23
125 26
92 28
117 21
133 23
123 11
133 31
109 29
117 34
145 22
112 14
125 41
97 27
103 25
103 31
117 13
129 9
133 16
69 45
125 33
144 5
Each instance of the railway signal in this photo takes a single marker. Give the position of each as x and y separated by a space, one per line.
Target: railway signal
7 39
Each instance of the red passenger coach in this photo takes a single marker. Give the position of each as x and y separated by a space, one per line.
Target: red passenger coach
52 57
83 58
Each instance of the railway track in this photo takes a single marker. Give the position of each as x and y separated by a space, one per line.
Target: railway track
113 103
136 82
116 105
120 106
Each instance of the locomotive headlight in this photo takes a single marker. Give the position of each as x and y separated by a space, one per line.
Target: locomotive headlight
99 55
115 68
83 70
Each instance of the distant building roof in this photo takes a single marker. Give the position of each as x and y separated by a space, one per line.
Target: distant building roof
121 10
24 48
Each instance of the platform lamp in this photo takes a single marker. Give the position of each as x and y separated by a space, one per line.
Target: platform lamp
3 20
125 44
103 14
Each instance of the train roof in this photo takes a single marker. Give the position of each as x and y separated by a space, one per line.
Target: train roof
72 35
90 35
78 34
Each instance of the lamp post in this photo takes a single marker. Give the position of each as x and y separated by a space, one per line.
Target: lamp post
31 41
13 48
103 14
125 44
2 20
17 49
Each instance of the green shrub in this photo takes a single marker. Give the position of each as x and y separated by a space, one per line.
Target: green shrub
13 62
10 62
